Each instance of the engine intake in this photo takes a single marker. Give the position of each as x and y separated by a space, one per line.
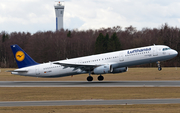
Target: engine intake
103 69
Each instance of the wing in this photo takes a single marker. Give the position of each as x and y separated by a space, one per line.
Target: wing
84 67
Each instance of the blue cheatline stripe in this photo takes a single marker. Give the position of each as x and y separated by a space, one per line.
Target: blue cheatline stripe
56 23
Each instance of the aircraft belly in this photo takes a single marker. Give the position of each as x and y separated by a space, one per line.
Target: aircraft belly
141 61
167 57
59 73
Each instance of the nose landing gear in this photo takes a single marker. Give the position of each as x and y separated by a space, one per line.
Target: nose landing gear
159 66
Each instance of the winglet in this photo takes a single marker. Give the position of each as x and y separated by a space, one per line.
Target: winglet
21 57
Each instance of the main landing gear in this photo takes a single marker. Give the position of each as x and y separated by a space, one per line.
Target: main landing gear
159 66
100 78
90 78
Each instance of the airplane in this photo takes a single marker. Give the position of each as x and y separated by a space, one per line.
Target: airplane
112 62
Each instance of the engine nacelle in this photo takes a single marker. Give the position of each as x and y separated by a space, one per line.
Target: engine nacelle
103 69
120 70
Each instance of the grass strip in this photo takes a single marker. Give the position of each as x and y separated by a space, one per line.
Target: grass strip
159 108
132 74
86 93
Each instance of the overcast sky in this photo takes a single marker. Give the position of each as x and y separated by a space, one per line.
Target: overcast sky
39 15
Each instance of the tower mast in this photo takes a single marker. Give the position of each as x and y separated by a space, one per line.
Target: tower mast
59 10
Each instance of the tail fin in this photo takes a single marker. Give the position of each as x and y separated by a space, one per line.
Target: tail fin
21 57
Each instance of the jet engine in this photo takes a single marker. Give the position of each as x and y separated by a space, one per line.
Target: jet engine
103 69
120 70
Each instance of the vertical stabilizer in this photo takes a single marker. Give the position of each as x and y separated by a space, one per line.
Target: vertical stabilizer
21 57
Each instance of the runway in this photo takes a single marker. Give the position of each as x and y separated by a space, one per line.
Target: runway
89 102
89 84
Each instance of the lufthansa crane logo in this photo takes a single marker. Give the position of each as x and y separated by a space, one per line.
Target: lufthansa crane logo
20 56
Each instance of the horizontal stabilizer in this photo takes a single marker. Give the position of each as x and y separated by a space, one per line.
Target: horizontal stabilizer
17 71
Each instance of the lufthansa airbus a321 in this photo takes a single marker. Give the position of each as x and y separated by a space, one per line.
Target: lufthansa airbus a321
113 62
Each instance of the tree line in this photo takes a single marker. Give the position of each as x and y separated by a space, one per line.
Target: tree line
51 46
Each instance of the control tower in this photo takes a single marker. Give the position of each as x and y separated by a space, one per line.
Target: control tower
59 10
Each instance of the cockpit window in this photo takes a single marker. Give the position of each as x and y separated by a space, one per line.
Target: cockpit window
165 49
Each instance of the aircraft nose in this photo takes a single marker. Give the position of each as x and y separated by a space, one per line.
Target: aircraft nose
175 53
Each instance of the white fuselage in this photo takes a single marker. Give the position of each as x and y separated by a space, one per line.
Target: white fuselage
118 59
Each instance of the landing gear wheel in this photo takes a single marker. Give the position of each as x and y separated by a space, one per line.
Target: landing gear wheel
89 78
100 78
159 66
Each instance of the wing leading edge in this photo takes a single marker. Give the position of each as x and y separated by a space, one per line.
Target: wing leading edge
84 67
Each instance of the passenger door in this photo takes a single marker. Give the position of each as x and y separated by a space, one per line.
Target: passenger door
121 56
155 52
37 70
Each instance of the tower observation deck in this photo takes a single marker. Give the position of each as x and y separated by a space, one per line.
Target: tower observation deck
59 10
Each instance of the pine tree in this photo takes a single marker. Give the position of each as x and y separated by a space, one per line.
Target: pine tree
69 34
4 37
99 44
105 43
114 43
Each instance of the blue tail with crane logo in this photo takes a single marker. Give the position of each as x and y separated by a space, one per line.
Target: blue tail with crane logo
21 57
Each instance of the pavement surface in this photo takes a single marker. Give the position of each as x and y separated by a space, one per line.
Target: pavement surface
89 84
89 102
